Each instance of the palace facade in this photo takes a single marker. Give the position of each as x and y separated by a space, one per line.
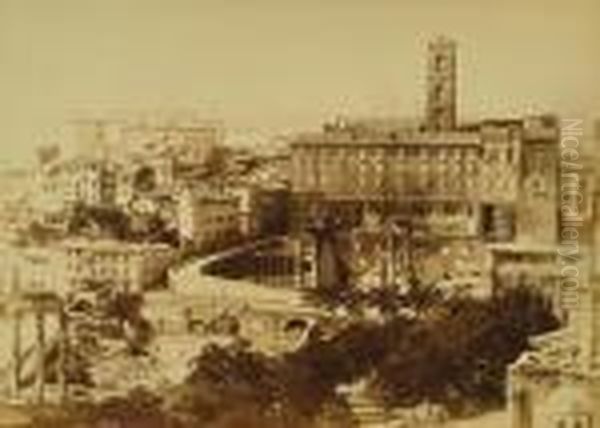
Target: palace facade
491 181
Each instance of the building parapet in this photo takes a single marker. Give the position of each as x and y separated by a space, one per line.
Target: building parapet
422 139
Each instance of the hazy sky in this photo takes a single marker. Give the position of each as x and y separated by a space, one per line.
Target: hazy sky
282 65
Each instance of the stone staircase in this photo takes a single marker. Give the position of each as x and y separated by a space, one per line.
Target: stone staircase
367 412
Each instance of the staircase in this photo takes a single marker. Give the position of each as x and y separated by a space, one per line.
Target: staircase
366 411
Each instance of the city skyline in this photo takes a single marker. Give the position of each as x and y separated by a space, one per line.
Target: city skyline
224 213
287 67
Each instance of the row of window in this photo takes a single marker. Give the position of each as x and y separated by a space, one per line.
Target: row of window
402 180
426 150
219 221
99 270
416 151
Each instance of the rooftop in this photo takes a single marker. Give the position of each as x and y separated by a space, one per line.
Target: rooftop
208 194
111 245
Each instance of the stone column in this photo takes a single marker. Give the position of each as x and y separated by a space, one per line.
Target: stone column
296 243
519 403
41 354
63 353
16 351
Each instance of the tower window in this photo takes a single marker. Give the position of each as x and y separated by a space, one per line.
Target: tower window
439 62
437 91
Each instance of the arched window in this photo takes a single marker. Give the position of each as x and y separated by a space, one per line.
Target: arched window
296 324
145 179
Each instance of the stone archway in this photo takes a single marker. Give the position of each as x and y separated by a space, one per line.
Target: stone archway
296 330
295 324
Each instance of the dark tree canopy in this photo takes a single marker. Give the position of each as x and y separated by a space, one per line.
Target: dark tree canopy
454 354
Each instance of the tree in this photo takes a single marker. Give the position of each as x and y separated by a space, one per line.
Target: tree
152 228
451 350
125 308
458 356
227 380
138 409
97 219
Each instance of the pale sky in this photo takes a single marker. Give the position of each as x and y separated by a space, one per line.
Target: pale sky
281 65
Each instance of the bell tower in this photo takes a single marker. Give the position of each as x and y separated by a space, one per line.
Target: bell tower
441 84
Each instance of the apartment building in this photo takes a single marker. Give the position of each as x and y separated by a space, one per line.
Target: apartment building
90 181
131 267
207 219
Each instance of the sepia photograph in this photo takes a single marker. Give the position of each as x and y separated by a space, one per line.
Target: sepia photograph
299 214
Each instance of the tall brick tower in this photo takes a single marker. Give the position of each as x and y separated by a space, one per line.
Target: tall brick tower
441 84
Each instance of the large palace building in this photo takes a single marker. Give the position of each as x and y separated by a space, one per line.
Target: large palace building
495 180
